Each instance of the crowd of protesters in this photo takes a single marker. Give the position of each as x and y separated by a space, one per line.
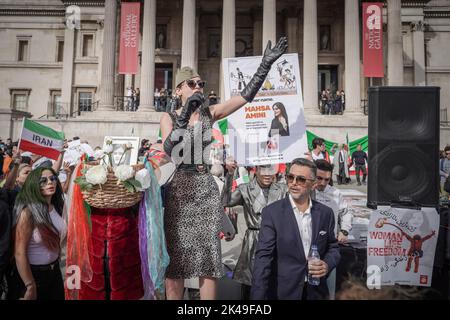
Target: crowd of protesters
332 102
280 203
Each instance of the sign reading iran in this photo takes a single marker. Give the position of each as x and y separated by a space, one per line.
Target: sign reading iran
271 129
373 39
41 140
401 246
129 38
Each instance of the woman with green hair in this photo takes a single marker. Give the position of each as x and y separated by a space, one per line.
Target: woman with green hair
38 230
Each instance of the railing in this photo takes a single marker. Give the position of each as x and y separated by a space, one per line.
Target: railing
125 103
87 108
57 110
365 106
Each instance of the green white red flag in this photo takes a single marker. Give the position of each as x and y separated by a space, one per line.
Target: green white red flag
41 140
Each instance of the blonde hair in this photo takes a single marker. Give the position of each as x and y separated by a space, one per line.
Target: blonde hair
354 289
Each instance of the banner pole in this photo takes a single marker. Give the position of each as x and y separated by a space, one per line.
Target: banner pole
21 132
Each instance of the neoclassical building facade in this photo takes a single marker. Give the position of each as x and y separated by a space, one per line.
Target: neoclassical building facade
67 77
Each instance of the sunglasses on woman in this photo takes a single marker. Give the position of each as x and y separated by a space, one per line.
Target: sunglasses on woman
43 180
298 179
192 83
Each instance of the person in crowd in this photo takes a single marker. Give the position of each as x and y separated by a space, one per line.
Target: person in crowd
136 99
145 146
2 155
162 100
343 100
338 103
359 159
317 144
254 197
157 101
329 102
9 144
6 204
212 98
38 229
355 289
289 228
129 98
444 168
333 198
323 102
193 210
7 160
340 165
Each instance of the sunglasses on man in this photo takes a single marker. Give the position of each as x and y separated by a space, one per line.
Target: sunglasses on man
43 180
298 179
192 83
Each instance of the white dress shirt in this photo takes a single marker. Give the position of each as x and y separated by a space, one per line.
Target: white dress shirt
304 225
332 197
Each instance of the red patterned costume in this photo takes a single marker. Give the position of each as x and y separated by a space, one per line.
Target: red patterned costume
114 256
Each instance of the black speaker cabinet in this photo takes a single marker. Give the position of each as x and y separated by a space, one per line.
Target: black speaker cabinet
403 146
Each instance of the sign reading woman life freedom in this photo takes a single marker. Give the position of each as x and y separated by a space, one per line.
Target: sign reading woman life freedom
271 129
401 246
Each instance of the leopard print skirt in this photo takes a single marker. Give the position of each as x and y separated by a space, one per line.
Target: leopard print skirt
192 222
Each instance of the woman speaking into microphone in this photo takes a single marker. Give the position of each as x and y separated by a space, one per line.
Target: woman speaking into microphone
193 210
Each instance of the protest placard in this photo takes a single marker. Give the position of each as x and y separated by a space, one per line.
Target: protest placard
271 129
401 245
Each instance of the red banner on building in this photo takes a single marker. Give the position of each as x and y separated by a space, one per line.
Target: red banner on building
373 39
129 38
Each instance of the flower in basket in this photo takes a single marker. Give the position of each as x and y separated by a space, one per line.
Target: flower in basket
125 175
124 172
109 161
96 175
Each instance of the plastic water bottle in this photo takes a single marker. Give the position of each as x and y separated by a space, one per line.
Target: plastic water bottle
312 257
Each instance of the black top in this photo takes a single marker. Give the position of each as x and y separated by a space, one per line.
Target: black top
359 157
276 125
7 199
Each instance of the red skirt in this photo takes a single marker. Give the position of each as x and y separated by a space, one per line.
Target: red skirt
114 256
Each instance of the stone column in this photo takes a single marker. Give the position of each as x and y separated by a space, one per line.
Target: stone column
269 23
352 57
128 82
228 37
292 30
310 59
67 74
395 43
257 31
188 37
106 93
419 53
147 88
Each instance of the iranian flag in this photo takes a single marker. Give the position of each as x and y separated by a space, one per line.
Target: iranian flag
41 140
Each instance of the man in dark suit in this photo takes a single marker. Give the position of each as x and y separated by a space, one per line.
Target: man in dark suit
289 228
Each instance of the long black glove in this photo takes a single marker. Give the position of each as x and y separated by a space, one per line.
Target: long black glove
192 104
270 56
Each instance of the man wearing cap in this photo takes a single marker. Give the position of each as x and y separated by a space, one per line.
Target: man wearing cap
254 197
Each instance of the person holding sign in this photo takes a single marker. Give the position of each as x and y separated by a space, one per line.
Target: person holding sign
193 209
